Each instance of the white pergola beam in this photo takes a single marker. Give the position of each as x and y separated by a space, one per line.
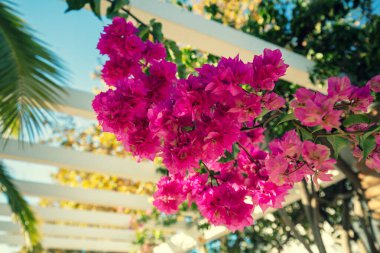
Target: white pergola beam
97 218
72 244
75 231
84 196
56 214
183 26
79 160
77 103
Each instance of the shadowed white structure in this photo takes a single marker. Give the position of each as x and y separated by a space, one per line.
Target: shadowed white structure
83 161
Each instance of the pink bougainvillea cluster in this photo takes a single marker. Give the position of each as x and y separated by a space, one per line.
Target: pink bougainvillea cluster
314 108
342 99
205 127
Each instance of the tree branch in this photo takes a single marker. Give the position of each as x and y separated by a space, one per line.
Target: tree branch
312 213
288 222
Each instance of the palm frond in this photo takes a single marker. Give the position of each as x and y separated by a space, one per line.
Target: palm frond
30 78
21 210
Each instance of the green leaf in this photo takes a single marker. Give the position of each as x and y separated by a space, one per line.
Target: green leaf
235 150
263 113
337 143
188 128
75 5
316 129
286 117
162 171
181 70
175 54
95 7
228 156
371 131
204 226
355 119
157 30
115 7
368 145
144 32
305 135
30 78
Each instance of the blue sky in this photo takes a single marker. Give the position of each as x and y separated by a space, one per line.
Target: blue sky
72 36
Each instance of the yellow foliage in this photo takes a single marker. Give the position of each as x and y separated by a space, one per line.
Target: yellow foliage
231 12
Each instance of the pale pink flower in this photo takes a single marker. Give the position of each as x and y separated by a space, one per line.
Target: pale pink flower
360 99
267 69
169 195
272 101
339 88
374 83
226 205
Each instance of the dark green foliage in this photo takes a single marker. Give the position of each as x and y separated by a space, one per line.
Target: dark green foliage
367 145
356 119
156 30
286 117
74 5
115 9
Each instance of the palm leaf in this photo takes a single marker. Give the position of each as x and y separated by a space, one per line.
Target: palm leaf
30 76
21 210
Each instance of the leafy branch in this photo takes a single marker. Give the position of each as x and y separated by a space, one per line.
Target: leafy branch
30 78
21 210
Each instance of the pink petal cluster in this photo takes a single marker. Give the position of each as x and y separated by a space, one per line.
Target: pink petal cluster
267 69
373 159
186 121
192 123
225 205
291 160
374 83
316 109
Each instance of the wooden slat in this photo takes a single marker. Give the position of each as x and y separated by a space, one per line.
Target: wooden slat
76 216
98 218
72 244
84 161
75 231
85 196
77 103
373 191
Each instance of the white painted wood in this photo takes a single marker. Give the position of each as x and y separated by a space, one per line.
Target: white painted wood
97 218
85 196
76 216
77 103
79 160
72 244
75 231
